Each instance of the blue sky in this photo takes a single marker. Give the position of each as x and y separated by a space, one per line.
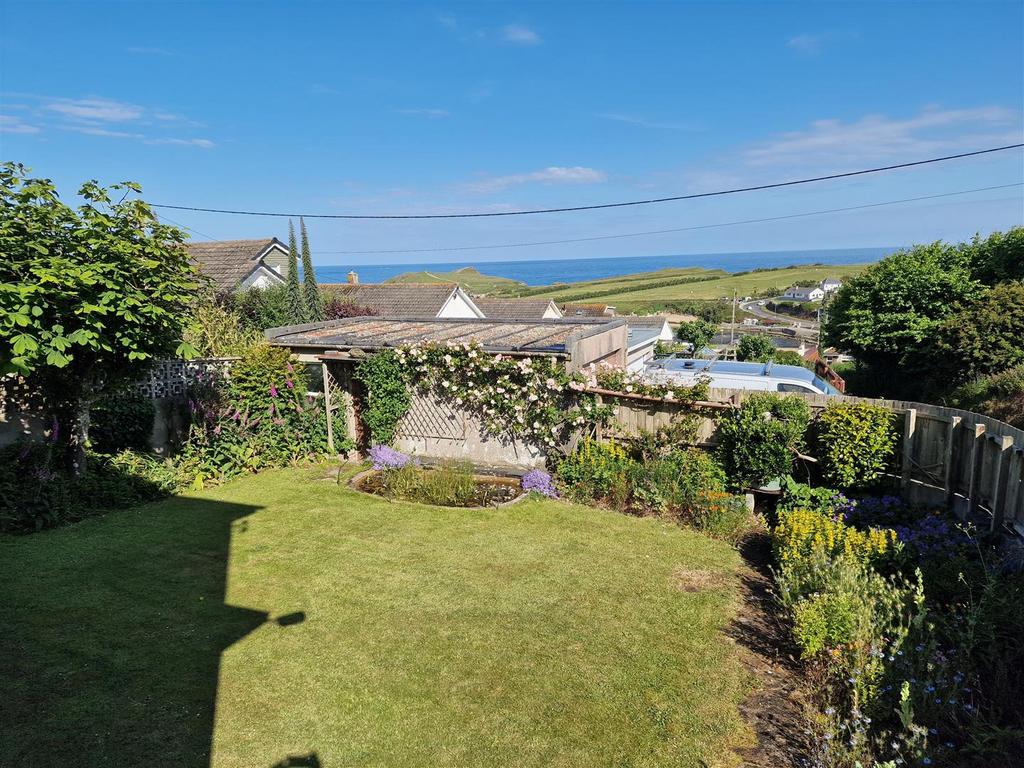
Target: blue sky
447 107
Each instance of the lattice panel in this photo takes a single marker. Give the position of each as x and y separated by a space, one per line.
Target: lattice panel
432 418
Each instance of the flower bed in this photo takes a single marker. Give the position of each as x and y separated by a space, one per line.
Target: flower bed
396 475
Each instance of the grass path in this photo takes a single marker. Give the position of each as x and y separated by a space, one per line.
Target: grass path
282 616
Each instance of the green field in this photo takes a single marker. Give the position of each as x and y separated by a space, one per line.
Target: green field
685 284
286 620
468 277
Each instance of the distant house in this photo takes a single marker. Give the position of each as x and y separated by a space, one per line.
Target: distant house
235 265
576 309
804 293
518 309
831 284
405 300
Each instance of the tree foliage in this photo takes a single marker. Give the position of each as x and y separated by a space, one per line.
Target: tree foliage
89 295
755 347
296 302
985 336
930 318
887 313
698 333
314 300
999 257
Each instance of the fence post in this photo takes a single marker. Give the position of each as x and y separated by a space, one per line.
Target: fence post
972 474
949 460
328 406
1013 486
1003 445
909 431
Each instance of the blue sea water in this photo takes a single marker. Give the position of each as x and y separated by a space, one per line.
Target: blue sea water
547 271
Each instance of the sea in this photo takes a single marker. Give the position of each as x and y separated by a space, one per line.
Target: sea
548 271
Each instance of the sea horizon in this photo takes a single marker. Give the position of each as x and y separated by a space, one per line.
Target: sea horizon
535 272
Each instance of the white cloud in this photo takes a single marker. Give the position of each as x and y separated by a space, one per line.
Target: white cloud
518 34
878 137
424 112
447 21
103 110
642 122
12 124
201 143
112 119
808 45
550 175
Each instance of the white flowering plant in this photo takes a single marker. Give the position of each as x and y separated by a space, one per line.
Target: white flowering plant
531 397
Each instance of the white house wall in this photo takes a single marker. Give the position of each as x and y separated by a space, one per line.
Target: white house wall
261 278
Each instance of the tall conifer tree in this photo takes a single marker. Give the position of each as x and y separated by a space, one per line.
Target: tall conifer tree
314 299
296 301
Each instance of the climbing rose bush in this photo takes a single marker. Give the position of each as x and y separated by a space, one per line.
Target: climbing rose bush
520 397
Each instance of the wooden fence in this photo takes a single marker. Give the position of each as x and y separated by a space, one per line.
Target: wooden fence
970 463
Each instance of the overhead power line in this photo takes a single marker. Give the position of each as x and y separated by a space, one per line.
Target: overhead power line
668 231
651 201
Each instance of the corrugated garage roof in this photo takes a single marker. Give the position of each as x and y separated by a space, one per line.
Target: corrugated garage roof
547 336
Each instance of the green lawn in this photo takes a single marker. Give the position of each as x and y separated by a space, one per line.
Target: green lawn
284 620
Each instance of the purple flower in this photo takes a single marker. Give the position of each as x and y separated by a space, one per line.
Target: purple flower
273 391
539 481
290 384
386 457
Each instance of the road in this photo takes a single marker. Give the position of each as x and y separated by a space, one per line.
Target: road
806 328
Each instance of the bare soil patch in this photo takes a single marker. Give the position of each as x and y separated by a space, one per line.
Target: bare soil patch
775 710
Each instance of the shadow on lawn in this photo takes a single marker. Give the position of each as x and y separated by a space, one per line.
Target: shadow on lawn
112 637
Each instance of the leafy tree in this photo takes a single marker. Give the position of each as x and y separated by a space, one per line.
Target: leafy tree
755 347
87 296
789 357
218 330
985 336
314 299
260 308
997 258
698 333
296 301
885 315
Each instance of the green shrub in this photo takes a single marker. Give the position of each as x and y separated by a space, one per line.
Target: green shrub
722 516
855 442
678 482
757 442
263 417
262 375
597 471
121 420
755 347
260 308
387 394
216 329
37 492
1000 396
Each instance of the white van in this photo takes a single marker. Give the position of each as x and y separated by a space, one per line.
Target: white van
728 374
